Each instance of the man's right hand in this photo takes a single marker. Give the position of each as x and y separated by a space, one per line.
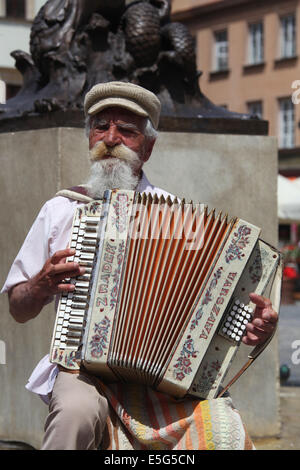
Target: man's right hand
27 299
49 280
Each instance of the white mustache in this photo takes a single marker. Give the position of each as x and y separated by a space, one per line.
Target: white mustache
100 150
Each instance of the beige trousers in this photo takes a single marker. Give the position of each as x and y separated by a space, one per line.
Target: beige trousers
77 414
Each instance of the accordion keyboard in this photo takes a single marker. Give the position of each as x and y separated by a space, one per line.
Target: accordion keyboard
73 306
236 320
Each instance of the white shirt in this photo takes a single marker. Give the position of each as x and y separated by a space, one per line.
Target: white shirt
49 233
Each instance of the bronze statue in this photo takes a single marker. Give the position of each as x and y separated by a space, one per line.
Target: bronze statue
77 43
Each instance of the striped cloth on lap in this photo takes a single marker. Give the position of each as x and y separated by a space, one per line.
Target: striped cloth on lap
144 419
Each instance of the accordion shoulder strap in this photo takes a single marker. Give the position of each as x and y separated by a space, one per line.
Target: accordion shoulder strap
78 193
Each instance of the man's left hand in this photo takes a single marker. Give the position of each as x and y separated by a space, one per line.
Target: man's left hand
263 322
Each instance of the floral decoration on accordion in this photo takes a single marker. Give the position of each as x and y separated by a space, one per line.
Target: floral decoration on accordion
121 212
92 208
183 364
239 242
68 360
207 297
99 340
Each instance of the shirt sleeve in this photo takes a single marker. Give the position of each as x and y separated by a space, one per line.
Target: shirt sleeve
34 251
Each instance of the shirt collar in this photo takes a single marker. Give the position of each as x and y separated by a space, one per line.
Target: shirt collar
144 185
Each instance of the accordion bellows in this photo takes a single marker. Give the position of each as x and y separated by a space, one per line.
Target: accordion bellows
164 300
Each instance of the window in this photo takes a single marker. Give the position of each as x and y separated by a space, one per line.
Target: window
287 36
15 8
256 43
255 109
221 51
286 123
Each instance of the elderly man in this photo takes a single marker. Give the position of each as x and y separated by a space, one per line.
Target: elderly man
83 412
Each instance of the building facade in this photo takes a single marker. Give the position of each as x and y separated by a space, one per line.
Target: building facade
248 52
15 22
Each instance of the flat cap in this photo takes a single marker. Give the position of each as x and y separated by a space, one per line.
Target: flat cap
126 95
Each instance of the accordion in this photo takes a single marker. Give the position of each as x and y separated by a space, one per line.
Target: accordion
164 297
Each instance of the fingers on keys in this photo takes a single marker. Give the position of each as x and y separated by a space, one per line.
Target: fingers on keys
264 321
61 270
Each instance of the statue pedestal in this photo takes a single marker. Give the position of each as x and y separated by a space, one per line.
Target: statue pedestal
236 173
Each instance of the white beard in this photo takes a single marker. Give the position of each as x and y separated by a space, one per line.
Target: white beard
110 173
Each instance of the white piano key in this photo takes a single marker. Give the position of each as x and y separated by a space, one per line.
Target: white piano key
72 343
87 256
84 277
88 263
78 313
82 284
91 235
81 291
73 335
76 320
80 305
92 220
80 298
89 242
76 328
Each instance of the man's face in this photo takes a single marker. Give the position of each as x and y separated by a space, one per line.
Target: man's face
115 126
